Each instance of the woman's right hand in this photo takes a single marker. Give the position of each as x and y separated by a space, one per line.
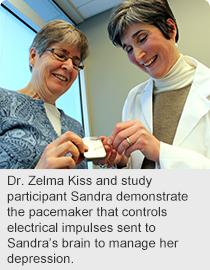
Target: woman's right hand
54 157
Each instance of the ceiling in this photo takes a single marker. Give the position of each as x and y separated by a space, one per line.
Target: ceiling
84 9
46 10
36 13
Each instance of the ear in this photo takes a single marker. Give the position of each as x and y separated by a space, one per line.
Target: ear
32 55
173 28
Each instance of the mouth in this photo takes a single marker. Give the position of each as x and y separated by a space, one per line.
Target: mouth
150 62
60 77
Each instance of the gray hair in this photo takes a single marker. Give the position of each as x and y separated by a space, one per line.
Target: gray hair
153 12
58 32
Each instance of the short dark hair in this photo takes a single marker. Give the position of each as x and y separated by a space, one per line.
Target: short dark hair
154 12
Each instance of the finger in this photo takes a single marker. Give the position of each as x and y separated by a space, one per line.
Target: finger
121 143
79 143
102 138
105 161
61 139
60 163
70 136
107 148
66 148
86 148
68 162
80 159
112 159
120 132
129 137
125 143
118 127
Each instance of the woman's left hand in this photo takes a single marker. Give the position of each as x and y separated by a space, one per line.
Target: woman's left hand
132 135
112 157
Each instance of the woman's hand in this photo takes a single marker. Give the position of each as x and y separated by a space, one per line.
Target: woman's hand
132 135
112 157
54 157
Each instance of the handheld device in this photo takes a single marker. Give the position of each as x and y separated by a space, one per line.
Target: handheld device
96 151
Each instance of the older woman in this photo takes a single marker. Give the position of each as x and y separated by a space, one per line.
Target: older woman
166 120
33 132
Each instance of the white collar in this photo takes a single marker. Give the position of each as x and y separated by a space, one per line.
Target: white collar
179 76
54 116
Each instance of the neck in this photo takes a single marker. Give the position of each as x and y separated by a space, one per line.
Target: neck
30 91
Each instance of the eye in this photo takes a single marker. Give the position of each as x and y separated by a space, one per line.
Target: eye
76 62
128 49
60 55
142 38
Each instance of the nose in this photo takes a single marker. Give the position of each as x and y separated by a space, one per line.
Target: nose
139 54
68 65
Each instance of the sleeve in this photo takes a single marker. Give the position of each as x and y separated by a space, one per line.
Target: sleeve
172 157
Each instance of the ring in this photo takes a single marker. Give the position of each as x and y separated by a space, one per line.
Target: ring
127 139
102 166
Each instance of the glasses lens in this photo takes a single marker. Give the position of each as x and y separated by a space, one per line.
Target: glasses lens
60 55
81 66
78 64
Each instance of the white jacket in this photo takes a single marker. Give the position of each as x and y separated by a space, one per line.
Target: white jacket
191 145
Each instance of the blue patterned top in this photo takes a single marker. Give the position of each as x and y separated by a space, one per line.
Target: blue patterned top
25 130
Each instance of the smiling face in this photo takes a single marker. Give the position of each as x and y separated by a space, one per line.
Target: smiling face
148 49
50 77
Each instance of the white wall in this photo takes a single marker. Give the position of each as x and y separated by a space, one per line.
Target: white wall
108 73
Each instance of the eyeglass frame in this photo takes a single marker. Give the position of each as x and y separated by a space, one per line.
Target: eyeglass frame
66 58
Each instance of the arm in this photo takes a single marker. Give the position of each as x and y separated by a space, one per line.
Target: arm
16 153
167 156
172 157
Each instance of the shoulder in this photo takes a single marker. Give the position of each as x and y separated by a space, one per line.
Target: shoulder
13 95
4 92
16 97
201 80
7 92
7 97
202 73
14 105
198 65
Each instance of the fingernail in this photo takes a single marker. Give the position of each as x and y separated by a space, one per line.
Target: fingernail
109 141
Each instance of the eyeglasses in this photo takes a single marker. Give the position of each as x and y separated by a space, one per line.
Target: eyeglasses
63 57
